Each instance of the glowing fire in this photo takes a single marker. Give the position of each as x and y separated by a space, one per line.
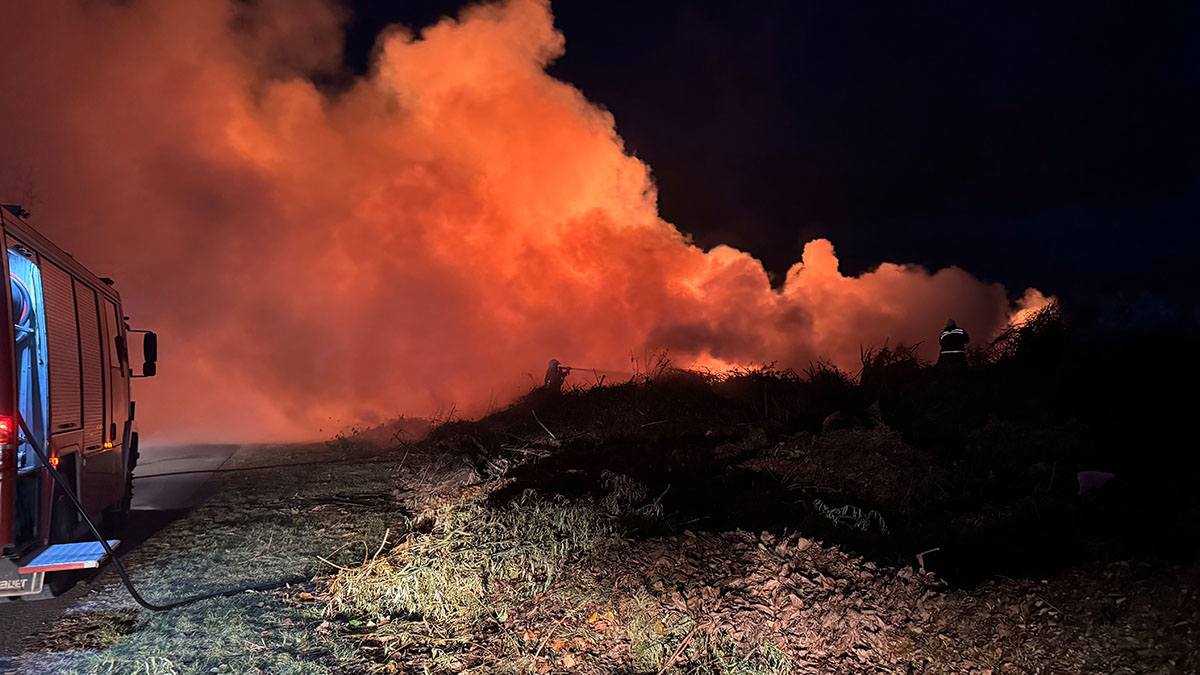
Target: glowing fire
453 219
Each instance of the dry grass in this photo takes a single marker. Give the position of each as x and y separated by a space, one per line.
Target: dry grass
446 575
465 566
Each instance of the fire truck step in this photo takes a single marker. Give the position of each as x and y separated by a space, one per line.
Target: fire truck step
58 557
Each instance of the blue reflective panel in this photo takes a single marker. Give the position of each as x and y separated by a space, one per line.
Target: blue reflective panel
29 320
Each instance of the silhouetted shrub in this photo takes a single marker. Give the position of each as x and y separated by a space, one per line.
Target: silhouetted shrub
889 369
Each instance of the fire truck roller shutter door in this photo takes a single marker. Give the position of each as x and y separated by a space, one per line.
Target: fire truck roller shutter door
66 402
92 365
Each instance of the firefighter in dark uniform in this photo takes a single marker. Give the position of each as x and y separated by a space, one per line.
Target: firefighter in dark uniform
555 375
954 346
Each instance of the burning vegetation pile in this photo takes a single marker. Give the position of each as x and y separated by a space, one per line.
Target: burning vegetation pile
767 522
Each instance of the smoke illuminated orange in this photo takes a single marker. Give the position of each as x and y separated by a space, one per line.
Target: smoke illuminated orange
454 219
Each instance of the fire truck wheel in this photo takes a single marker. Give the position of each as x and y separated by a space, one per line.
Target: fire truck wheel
116 515
63 523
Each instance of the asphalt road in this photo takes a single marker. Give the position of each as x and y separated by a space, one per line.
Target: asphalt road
157 501
187 469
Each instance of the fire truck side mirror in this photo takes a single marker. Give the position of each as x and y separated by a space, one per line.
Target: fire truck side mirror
150 347
149 352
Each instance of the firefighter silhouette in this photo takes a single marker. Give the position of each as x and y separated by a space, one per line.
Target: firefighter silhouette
954 346
555 375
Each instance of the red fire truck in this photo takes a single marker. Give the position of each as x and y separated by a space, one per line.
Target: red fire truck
64 386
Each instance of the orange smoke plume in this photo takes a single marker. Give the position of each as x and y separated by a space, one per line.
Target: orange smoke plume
452 219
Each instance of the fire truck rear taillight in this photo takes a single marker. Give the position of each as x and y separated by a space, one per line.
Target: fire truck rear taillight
7 450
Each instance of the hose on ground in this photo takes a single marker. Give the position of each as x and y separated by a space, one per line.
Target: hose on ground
66 488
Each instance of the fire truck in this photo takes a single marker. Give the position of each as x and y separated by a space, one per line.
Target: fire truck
65 373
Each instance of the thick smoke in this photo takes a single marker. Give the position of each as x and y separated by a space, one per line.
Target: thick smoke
452 220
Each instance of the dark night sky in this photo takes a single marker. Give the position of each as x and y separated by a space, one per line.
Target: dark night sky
1034 144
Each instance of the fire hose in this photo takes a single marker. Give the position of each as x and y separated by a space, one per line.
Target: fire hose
65 487
597 371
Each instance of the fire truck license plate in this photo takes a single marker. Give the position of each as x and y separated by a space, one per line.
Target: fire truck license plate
12 583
